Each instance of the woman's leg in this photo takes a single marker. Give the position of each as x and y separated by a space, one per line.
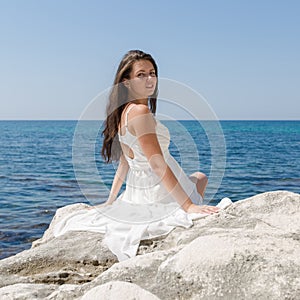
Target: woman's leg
200 179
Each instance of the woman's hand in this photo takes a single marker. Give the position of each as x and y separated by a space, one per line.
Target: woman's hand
109 201
203 209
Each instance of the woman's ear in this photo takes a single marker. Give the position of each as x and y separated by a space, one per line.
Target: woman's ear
126 83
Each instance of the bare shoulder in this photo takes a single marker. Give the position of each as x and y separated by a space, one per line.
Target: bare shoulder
141 120
140 109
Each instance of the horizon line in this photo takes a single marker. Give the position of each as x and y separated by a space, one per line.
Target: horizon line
3 120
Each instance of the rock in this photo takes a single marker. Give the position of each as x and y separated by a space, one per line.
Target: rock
248 251
233 266
59 215
65 292
22 291
141 270
75 257
118 290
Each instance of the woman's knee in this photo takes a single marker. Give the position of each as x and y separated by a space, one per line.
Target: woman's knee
200 177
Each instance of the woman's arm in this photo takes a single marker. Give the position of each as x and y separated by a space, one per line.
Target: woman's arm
143 125
118 180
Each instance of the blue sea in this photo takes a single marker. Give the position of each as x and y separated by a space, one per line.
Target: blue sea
37 175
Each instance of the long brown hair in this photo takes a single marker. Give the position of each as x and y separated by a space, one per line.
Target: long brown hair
118 98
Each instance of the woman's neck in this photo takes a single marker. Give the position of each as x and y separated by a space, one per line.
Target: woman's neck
140 101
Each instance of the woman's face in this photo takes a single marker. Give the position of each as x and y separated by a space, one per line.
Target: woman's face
142 81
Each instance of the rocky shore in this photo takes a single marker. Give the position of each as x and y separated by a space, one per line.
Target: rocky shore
250 250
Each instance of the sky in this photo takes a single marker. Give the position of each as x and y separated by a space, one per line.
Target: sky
242 56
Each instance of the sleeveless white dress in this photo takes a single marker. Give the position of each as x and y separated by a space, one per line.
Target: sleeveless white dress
144 210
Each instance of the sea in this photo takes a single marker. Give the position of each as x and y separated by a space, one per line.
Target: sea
42 162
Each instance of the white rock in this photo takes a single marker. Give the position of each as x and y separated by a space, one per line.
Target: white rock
118 290
24 291
250 250
59 215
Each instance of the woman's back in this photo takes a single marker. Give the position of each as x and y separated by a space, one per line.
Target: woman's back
130 144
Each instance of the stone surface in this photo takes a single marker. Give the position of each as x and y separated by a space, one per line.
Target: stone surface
234 266
248 251
75 257
118 290
24 291
59 215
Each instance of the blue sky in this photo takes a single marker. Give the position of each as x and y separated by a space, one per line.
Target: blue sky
242 56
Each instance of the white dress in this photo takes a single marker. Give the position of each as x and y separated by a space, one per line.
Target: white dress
144 210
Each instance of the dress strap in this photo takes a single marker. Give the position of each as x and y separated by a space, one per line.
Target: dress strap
126 115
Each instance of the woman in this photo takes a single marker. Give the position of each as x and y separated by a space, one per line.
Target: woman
158 195
135 87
